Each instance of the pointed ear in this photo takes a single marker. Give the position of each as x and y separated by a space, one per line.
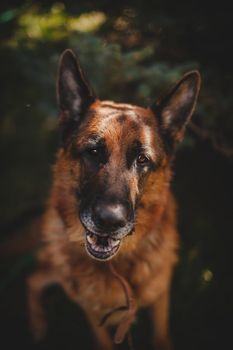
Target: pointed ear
74 94
175 109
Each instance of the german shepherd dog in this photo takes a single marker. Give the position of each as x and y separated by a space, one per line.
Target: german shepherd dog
110 222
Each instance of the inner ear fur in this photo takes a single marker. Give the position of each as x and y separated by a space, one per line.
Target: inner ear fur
74 93
174 110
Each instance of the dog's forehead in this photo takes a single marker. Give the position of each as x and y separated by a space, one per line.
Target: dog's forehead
121 118
119 126
109 108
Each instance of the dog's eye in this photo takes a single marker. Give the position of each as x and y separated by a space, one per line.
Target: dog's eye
96 155
142 159
93 152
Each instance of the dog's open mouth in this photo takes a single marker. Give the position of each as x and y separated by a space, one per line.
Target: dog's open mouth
101 248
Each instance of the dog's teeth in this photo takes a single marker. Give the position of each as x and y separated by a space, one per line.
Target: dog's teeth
103 248
97 248
116 243
91 239
107 249
113 243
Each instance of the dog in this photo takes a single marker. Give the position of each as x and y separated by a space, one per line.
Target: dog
109 231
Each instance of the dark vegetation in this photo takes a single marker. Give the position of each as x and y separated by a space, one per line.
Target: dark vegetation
132 50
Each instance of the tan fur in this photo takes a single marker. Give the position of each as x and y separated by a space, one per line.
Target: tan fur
145 259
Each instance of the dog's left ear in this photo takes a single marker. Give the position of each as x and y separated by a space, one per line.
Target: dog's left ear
74 94
175 109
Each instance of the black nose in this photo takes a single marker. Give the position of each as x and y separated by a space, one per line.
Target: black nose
110 216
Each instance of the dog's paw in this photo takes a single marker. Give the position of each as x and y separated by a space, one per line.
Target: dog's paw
38 330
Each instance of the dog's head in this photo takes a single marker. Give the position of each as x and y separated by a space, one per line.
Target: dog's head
114 149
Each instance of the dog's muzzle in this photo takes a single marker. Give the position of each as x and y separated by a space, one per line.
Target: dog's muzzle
105 227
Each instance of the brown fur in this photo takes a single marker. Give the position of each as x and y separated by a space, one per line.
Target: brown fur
146 258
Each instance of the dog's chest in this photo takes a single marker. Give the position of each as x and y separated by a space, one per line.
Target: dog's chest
99 291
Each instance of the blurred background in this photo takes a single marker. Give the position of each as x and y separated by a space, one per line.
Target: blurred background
132 51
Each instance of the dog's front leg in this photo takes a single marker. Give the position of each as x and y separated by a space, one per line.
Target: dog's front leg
102 339
36 285
160 318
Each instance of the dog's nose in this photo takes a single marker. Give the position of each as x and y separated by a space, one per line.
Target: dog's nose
110 216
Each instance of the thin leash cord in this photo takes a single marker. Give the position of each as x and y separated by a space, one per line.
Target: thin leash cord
127 319
127 290
130 341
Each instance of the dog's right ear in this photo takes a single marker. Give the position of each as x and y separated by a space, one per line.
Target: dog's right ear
74 94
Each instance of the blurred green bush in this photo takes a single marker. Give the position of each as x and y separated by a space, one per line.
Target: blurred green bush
29 113
132 51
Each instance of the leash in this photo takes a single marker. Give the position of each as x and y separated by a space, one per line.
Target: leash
130 308
130 341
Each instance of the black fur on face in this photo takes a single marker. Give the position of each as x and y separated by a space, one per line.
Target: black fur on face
105 184
116 146
115 160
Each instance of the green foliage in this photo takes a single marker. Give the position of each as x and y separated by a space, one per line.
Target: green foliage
28 123
131 53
